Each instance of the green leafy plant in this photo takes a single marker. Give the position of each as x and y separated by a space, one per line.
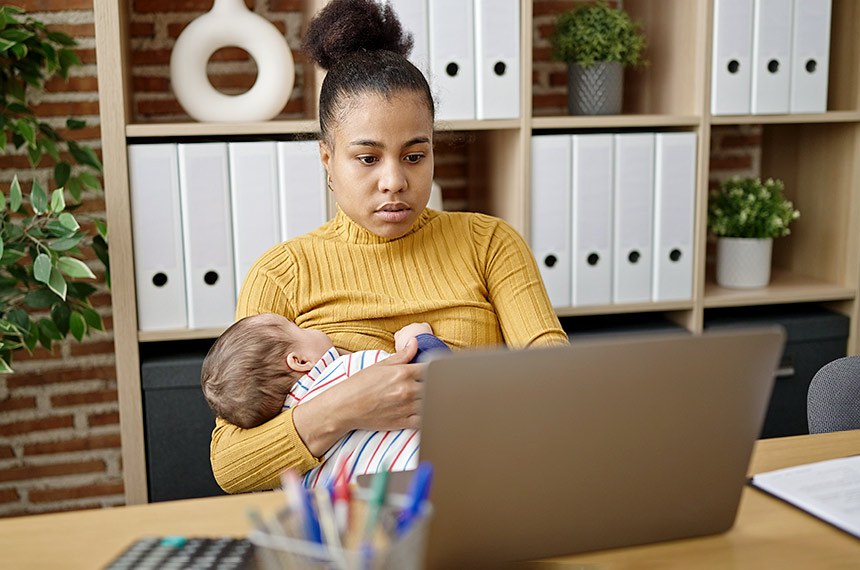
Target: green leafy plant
750 208
30 55
41 241
593 33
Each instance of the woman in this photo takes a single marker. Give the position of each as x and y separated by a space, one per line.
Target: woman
384 261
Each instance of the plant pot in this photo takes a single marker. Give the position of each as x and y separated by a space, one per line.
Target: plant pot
596 90
743 263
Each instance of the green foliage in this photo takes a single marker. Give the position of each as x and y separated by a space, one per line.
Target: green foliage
40 301
593 33
30 55
41 241
750 208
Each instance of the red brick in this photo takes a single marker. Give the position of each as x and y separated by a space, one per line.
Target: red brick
27 472
730 163
450 171
100 300
142 29
740 141
89 133
150 57
545 30
558 79
96 397
151 84
87 55
107 441
86 491
54 5
98 347
6 452
242 81
160 107
286 5
67 108
551 7
17 404
106 419
77 31
542 54
73 85
9 496
62 376
553 100
230 54
67 508
145 6
41 424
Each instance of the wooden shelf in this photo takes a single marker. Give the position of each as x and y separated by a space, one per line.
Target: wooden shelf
179 334
784 287
829 117
614 121
624 308
268 128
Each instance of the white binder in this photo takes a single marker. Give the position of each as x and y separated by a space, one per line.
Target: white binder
413 16
209 274
497 53
731 67
592 220
550 214
674 213
633 220
771 56
159 272
303 188
810 56
452 58
253 203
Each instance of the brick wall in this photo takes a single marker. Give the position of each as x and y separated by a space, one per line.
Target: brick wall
59 421
59 430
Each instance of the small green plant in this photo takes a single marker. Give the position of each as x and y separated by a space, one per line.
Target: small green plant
39 242
750 208
594 33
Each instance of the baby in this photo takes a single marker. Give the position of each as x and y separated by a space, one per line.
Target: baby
265 363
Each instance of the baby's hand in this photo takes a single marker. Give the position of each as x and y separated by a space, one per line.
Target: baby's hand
402 336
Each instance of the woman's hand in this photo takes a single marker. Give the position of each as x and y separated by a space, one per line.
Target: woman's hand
386 395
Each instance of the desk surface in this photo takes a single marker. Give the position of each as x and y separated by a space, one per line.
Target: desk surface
768 533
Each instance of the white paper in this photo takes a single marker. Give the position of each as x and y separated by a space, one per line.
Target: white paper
830 490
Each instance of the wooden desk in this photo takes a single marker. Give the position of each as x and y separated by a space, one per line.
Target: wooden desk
768 533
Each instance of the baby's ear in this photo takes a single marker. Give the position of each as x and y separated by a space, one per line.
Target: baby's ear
298 363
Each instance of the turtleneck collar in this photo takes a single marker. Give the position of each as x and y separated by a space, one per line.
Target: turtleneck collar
351 232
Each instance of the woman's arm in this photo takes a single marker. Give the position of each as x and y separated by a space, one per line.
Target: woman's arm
517 292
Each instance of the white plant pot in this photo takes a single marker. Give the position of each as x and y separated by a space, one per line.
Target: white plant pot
230 23
743 263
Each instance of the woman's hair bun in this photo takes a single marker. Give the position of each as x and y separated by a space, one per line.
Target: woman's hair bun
344 27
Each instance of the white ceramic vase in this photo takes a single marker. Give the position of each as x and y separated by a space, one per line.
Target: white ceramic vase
230 23
743 263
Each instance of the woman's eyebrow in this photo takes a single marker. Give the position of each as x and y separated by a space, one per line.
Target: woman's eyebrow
381 146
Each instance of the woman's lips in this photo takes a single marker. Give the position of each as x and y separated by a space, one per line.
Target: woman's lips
394 212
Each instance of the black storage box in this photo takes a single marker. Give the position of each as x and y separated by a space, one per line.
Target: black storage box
178 426
591 327
814 337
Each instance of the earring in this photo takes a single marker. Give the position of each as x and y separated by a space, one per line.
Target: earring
329 184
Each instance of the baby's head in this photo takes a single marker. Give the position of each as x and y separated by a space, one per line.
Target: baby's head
252 366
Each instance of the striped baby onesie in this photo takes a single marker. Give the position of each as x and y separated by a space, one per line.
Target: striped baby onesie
364 451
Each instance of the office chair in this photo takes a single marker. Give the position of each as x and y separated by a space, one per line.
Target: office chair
833 400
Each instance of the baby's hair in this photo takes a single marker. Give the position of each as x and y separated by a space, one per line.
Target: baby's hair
244 377
363 46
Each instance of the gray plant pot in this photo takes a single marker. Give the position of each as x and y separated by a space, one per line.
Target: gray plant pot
596 90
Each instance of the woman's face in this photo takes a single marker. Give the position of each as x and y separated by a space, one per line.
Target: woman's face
380 164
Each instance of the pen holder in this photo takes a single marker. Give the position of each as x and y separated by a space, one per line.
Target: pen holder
277 547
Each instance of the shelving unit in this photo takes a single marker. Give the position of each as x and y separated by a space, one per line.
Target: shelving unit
818 157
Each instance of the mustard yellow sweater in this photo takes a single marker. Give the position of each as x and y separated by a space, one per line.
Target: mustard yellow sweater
471 276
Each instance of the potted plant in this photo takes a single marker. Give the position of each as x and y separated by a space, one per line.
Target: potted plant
597 42
745 214
41 241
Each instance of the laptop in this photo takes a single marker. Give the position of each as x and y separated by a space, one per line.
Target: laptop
606 443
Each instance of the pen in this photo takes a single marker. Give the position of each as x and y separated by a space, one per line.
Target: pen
419 489
374 506
341 496
300 503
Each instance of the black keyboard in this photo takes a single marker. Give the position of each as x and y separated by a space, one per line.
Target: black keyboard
181 553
